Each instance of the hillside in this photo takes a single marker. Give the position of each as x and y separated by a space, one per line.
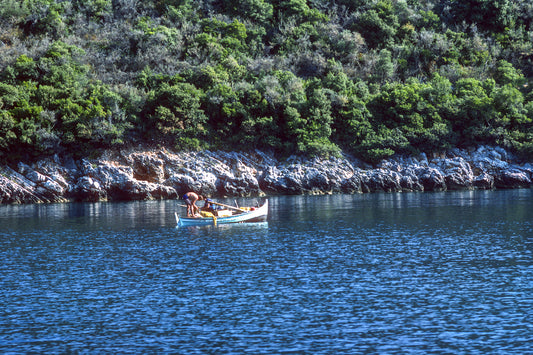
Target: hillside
372 78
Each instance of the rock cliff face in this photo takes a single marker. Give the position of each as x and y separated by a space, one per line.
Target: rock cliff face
145 175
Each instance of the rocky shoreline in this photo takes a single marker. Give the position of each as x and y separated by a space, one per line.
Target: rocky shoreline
161 174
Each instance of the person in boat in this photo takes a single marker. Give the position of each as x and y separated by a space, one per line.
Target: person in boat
209 206
190 199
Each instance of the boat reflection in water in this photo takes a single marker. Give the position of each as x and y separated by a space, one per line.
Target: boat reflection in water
234 227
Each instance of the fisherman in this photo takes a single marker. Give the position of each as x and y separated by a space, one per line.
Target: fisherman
191 198
208 206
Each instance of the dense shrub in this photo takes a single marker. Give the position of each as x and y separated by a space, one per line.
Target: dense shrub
374 78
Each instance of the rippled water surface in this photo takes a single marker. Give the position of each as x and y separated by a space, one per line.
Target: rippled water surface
411 273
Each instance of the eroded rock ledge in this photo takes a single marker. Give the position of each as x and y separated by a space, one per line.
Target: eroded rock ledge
160 174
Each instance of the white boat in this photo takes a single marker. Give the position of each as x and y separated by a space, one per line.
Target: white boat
241 215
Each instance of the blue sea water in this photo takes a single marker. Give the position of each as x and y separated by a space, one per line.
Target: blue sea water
405 273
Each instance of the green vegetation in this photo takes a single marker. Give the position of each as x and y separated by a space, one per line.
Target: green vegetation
369 77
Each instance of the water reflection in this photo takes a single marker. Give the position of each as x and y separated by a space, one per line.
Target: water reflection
387 209
90 215
406 208
234 227
381 273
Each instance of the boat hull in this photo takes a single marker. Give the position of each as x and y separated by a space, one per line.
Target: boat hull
258 215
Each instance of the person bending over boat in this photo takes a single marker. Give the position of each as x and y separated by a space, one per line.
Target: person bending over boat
191 198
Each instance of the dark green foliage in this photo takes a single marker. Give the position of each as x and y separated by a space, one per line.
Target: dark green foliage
505 74
7 134
51 105
94 9
374 78
492 15
378 25
259 11
173 116
313 135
